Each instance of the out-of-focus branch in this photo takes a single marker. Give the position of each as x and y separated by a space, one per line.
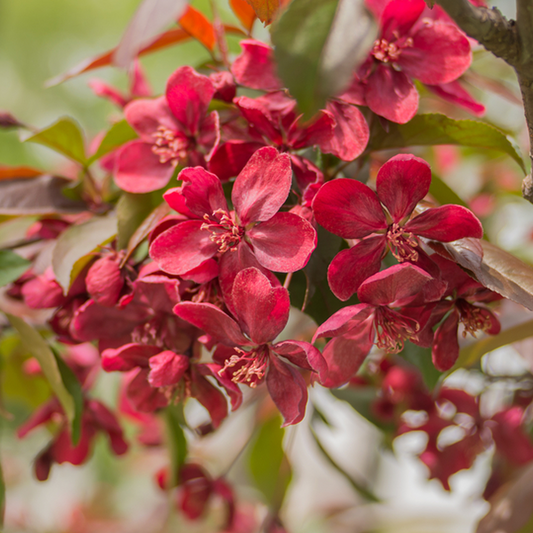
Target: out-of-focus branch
510 40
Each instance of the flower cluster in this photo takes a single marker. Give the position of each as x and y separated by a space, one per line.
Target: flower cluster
259 213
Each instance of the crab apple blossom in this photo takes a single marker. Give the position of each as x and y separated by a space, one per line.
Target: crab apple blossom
280 241
340 129
96 418
386 219
352 329
462 304
408 47
174 129
247 353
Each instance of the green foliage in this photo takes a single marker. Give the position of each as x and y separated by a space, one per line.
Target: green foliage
72 249
433 129
317 45
132 210
73 386
63 136
119 133
39 348
176 439
12 266
268 464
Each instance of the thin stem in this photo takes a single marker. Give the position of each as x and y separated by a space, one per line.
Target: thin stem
287 281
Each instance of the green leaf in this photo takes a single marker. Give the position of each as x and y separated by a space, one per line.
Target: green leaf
443 193
132 210
12 266
71 251
119 133
317 45
268 464
74 388
38 347
63 136
356 485
433 128
472 353
176 439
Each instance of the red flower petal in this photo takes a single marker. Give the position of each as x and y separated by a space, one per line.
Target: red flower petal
351 133
391 94
351 267
255 68
288 390
188 94
143 397
104 281
167 368
401 183
202 191
259 118
213 321
445 345
182 247
440 53
345 354
455 93
302 354
340 322
399 16
284 243
262 186
138 169
262 310
146 115
447 223
128 357
230 158
348 208
398 283
210 397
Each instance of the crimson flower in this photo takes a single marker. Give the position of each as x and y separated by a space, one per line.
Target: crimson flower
409 47
282 242
96 418
354 327
174 129
383 219
460 305
248 354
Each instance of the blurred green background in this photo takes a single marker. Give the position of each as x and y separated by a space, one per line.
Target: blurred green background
39 40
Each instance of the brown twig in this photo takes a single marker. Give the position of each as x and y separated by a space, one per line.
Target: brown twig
508 39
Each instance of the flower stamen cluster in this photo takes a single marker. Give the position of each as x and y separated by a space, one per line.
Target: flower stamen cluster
402 243
254 365
169 146
225 233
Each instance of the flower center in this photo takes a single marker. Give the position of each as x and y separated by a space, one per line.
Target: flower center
473 318
224 232
251 366
402 243
389 52
393 329
169 145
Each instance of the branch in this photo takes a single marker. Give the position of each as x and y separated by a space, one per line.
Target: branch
487 26
510 40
